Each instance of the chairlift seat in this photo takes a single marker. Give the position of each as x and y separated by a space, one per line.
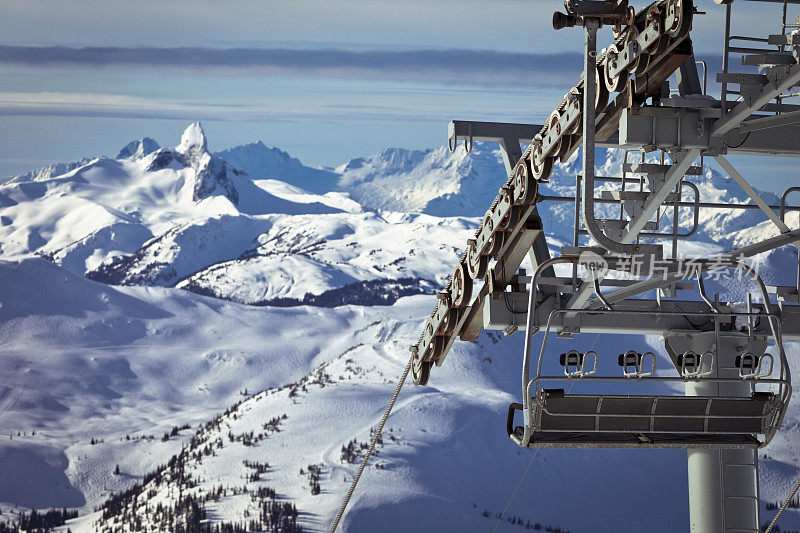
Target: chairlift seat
630 421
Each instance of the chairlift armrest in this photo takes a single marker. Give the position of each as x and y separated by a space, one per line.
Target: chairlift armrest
510 420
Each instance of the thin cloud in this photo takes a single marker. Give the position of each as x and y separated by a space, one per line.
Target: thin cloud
465 67
59 104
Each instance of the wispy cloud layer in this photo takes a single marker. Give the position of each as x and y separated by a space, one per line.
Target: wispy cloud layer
60 104
102 105
466 67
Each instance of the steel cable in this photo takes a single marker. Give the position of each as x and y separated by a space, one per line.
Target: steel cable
783 507
375 438
513 494
500 518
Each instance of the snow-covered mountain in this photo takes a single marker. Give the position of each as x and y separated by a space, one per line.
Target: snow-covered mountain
186 217
263 162
47 172
146 406
138 149
431 181
434 182
439 183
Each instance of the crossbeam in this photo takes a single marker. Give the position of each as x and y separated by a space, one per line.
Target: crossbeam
508 134
748 106
631 317
689 126
751 192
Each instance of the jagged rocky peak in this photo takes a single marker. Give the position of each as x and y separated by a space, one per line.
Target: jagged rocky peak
211 173
193 140
138 149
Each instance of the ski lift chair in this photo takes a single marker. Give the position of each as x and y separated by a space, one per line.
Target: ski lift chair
554 418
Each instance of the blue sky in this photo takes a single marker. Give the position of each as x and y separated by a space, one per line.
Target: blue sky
324 80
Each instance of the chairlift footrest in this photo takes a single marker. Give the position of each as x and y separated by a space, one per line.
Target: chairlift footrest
615 421
639 440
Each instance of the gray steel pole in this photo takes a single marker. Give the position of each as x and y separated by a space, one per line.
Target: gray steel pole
723 484
589 94
725 55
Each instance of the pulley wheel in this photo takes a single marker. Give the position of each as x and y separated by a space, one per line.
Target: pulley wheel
554 128
449 320
662 45
614 84
575 127
507 197
461 287
523 192
566 142
511 219
568 146
653 21
601 92
420 371
631 12
541 167
505 221
639 64
476 263
681 10
428 330
495 243
487 225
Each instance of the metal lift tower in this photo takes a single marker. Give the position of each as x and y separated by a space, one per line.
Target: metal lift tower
623 274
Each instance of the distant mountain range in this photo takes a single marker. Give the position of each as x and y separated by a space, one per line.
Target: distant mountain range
214 224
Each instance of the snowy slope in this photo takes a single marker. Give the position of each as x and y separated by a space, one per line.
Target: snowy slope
434 182
134 149
140 361
47 172
303 255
